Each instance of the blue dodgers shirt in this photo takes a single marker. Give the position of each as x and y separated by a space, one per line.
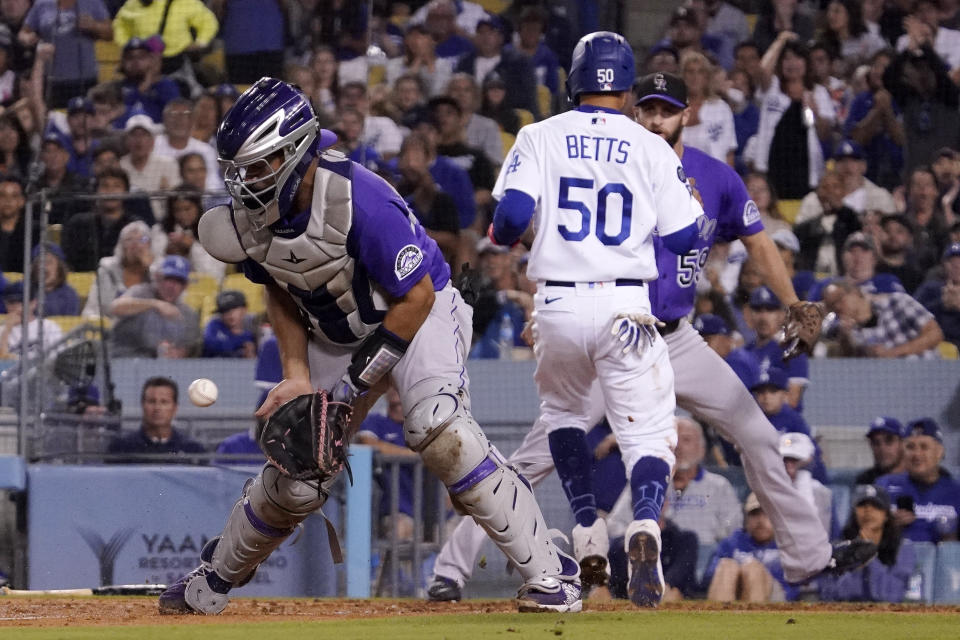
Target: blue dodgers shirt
387 430
936 506
220 342
269 371
729 213
741 547
770 354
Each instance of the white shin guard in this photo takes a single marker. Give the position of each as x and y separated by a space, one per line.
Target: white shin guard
268 512
455 449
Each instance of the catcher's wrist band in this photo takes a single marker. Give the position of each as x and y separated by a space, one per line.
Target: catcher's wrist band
377 355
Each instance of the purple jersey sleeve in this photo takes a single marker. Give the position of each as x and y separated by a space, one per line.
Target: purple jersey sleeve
387 241
739 215
728 213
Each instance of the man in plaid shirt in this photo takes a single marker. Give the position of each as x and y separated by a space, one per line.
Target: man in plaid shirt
891 325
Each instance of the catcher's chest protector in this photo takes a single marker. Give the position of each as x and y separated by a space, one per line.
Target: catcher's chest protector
314 266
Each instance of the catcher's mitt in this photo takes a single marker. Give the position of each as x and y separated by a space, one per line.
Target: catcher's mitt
306 438
803 327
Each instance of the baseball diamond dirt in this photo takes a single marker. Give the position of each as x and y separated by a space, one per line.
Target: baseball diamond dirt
41 617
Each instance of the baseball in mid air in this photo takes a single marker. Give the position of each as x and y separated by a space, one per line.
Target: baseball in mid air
203 392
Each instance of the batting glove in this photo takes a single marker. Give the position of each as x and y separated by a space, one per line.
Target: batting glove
635 330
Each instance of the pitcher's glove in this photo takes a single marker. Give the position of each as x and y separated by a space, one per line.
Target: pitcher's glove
802 329
306 437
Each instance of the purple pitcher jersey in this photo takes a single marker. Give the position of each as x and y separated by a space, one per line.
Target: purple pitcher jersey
729 213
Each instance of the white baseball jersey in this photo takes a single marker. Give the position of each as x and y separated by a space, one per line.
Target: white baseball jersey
602 183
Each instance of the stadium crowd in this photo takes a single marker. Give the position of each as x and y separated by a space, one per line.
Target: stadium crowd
842 117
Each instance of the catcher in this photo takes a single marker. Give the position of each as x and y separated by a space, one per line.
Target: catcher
357 294
704 384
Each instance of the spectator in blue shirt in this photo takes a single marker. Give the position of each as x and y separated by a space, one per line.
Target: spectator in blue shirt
942 297
768 317
926 497
228 334
873 121
59 298
885 578
746 566
143 87
770 391
385 434
243 443
530 42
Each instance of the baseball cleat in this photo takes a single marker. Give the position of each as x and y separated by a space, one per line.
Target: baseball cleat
444 590
560 594
590 547
850 555
645 586
200 591
561 598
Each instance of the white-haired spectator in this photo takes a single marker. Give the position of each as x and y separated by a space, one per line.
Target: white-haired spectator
701 501
129 265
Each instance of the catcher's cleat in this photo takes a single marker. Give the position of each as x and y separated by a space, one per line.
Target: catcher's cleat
561 594
646 586
201 590
444 590
850 555
590 547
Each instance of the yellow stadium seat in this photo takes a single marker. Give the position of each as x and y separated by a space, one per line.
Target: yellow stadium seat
215 59
948 351
525 117
12 276
789 209
107 54
68 323
544 100
207 309
82 282
494 6
751 21
54 231
251 290
508 139
203 281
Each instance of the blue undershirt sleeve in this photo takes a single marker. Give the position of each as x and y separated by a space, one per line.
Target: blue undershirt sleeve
679 242
512 216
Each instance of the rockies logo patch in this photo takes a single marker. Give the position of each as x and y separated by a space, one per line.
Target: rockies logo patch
408 259
751 213
681 175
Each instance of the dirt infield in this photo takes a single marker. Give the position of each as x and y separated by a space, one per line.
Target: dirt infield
52 611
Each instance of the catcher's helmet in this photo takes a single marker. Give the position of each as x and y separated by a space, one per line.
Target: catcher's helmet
269 117
602 61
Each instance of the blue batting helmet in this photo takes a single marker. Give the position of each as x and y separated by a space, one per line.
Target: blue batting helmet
269 118
602 61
